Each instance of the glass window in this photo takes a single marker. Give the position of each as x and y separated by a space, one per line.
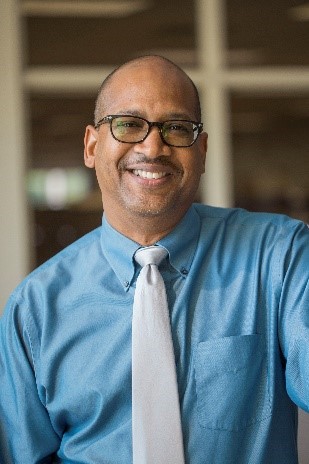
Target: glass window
270 153
267 32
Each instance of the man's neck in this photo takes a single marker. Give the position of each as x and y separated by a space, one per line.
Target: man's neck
143 230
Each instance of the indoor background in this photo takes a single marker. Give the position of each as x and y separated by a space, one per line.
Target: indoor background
249 59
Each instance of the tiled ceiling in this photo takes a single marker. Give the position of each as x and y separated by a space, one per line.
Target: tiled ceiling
264 32
268 32
100 40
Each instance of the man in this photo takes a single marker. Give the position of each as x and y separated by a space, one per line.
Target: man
237 290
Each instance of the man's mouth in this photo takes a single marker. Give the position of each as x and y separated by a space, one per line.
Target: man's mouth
148 174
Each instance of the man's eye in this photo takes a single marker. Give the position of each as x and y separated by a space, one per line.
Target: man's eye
126 124
177 128
129 124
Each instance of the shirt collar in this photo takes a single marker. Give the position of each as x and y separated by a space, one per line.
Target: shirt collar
119 251
180 243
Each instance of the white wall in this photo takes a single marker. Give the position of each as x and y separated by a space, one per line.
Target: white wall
14 235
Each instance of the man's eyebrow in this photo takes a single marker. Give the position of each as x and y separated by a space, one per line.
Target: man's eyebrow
179 116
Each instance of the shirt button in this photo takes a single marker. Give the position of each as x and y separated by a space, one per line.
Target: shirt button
126 283
184 271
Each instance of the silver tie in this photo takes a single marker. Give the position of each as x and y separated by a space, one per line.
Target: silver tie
156 422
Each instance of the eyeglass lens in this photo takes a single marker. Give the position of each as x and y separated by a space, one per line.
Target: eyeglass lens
132 129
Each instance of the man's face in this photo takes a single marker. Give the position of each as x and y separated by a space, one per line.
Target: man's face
150 178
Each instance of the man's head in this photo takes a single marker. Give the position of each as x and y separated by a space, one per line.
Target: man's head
148 183
100 107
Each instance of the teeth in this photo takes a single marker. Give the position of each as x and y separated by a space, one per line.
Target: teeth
148 174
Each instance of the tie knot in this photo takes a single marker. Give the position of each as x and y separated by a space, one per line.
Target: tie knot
150 255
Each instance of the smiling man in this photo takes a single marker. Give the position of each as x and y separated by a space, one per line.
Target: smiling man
153 181
238 308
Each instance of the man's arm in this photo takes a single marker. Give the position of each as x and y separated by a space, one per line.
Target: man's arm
26 433
294 317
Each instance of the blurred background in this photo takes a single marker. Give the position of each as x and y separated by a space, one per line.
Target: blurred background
249 59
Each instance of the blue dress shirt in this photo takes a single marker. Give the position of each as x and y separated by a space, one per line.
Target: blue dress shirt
237 286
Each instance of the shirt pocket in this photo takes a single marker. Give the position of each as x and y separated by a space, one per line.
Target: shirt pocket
231 382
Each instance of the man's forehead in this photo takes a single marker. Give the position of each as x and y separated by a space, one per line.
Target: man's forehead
142 80
149 98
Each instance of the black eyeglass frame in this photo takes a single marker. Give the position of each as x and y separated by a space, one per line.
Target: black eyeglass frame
109 119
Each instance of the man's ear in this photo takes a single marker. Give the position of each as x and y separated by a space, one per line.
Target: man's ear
203 143
90 142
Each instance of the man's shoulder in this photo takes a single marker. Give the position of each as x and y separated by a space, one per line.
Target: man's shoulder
245 218
73 261
234 230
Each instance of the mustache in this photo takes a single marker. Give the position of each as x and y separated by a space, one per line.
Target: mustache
160 160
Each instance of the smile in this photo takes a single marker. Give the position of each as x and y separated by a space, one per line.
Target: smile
148 174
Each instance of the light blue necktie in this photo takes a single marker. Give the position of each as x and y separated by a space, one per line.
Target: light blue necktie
156 422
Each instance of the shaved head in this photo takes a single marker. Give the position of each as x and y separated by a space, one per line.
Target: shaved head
160 64
149 181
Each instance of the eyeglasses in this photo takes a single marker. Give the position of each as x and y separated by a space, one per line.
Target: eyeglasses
132 129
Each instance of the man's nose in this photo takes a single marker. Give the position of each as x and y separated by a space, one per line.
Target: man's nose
153 145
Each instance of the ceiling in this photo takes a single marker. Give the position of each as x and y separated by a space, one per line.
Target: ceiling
264 32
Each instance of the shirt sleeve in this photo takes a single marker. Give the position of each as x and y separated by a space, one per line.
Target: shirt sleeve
294 316
26 433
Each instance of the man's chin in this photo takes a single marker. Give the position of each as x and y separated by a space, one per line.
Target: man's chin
166 206
151 210
148 212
